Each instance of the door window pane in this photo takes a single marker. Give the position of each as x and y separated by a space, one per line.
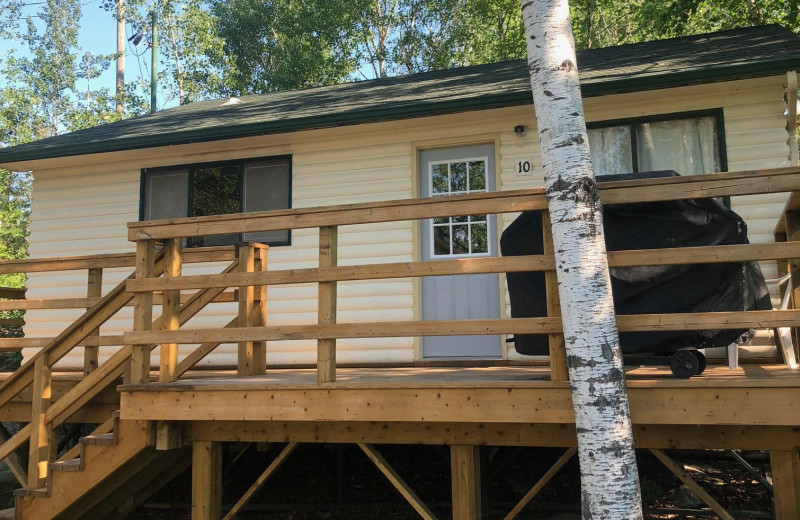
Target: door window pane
611 150
458 177
477 175
478 242
440 179
460 239
462 235
688 146
441 240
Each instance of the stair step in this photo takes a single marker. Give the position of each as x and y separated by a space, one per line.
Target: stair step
67 465
104 439
25 492
7 514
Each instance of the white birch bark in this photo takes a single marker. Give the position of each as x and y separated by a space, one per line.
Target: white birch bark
609 476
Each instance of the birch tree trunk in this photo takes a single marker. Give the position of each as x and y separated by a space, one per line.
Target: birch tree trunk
609 476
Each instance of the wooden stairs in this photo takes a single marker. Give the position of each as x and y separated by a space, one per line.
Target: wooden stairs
76 486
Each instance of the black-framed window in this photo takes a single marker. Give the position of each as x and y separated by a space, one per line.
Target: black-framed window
218 189
690 143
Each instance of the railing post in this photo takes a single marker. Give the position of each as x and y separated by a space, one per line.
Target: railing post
326 348
168 434
42 447
793 235
260 307
252 311
558 355
142 312
171 310
94 289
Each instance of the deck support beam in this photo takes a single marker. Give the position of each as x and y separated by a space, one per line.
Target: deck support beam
206 481
397 481
786 483
261 480
554 469
465 473
679 471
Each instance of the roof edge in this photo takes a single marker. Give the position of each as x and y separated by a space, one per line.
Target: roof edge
593 88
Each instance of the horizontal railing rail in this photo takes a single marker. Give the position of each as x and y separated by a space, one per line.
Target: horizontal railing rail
618 192
328 274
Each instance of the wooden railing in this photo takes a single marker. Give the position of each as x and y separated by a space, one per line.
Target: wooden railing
158 280
327 330
46 413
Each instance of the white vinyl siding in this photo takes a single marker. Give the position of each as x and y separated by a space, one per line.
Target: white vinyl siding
83 208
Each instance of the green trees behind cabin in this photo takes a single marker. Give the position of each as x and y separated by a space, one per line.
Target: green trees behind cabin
216 48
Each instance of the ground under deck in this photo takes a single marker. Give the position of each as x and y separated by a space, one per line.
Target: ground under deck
752 407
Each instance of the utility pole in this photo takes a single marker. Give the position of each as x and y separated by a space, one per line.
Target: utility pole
154 60
120 54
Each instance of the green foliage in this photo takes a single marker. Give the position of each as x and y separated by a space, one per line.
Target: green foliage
283 44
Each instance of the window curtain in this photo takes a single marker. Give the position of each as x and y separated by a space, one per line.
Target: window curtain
611 150
688 146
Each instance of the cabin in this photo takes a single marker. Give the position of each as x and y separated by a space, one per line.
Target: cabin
322 265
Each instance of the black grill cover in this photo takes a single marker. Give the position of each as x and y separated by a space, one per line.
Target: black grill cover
650 289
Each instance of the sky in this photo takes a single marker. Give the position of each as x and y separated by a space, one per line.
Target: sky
98 35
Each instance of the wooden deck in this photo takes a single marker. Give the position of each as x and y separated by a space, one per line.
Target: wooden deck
752 407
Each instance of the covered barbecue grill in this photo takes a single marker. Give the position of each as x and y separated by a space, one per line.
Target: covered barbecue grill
662 289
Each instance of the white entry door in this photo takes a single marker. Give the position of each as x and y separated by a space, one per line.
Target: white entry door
455 171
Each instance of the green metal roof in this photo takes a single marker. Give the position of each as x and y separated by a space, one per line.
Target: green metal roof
723 56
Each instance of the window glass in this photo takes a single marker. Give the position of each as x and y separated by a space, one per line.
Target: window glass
611 150
688 146
459 235
215 191
266 187
166 195
204 190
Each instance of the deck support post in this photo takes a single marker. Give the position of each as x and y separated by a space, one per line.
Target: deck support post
558 351
142 312
786 483
94 289
41 445
206 480
252 311
326 348
465 473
